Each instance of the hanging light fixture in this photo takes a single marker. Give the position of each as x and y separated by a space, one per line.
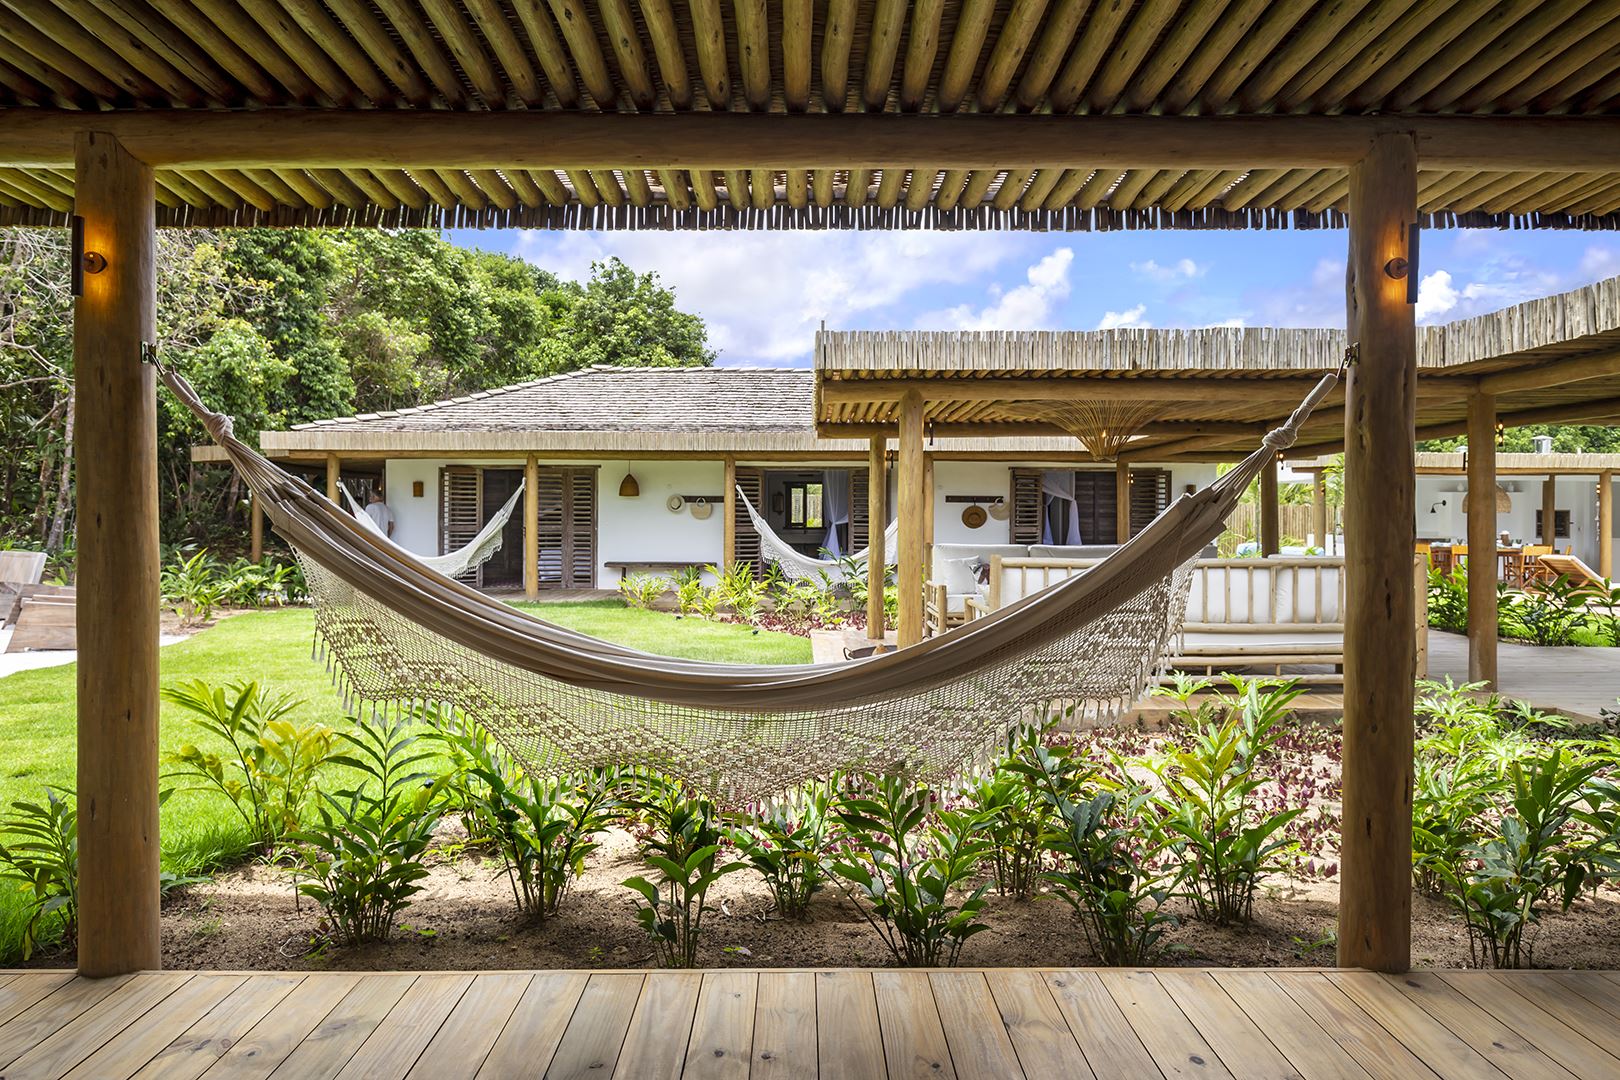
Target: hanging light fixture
1103 427
629 488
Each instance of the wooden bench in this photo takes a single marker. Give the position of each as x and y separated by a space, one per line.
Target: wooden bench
625 566
46 622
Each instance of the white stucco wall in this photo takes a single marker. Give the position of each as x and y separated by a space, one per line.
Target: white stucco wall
1577 494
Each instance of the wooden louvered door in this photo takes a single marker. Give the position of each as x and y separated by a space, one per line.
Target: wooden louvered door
860 532
1099 510
1150 494
579 537
551 493
747 550
1028 507
461 516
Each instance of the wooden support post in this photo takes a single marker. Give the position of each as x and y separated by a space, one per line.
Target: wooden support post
1319 511
334 471
877 517
928 502
1270 511
1482 563
1605 501
255 528
1122 503
531 528
1549 512
912 507
1375 878
728 532
115 402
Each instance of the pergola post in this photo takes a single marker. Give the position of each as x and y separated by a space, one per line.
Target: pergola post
1375 893
1549 511
913 499
928 503
1482 563
1319 510
531 528
1270 511
1122 503
255 528
1605 508
877 516
728 528
334 471
116 485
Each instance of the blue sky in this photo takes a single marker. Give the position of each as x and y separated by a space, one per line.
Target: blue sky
763 294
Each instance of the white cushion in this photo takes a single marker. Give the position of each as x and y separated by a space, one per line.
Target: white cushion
951 563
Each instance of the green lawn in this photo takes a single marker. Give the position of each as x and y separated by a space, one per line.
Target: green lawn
37 707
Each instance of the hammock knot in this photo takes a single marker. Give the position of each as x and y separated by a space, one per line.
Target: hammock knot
1280 438
219 426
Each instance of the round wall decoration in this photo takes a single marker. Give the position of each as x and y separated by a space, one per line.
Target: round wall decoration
974 516
675 504
702 508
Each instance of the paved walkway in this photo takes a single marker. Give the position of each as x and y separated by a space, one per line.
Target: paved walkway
11 663
1578 682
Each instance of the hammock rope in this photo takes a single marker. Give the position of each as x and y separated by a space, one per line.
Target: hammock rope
398 634
469 556
801 567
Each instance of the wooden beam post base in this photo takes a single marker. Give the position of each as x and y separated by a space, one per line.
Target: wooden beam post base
1270 511
116 476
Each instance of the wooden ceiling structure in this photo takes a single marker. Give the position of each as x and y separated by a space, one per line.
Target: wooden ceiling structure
560 93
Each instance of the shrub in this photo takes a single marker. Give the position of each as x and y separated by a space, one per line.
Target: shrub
901 872
542 828
642 590
683 845
192 587
1111 849
1548 614
739 589
689 590
1448 600
43 857
788 843
1557 834
362 861
1019 820
1229 843
269 772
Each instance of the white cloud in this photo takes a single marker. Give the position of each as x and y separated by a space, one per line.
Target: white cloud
1318 300
1598 263
1129 318
1180 270
1436 295
764 294
1023 307
1236 322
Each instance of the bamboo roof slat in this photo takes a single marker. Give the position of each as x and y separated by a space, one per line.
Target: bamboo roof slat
761 189
1476 20
195 196
492 184
456 33
607 185
53 64
196 46
889 185
524 187
753 52
628 53
1065 189
27 186
1567 72
821 186
25 90
252 192
238 27
82 45
1247 55
1011 189
1520 47
703 192
962 57
920 188
709 33
737 188
584 187
1040 187
1577 82
223 194
371 187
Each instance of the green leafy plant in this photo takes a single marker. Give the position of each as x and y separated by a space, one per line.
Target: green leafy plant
788 843
1111 852
902 871
1448 599
1019 820
1547 615
191 586
1230 844
683 845
642 590
269 772
740 589
689 590
42 857
542 828
362 861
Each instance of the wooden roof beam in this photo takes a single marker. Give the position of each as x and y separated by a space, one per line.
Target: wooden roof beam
1555 373
1596 411
533 139
858 391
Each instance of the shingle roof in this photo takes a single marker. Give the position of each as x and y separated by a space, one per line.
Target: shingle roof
607 398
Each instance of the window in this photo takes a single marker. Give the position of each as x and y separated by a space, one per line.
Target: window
804 505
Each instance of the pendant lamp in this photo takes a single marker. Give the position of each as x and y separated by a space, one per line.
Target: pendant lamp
628 487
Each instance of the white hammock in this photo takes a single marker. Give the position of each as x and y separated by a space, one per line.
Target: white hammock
398 633
799 566
471 555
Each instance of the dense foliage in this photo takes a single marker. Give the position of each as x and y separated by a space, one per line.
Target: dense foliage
281 326
1549 613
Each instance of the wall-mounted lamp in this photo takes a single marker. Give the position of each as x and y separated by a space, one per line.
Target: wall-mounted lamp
1501 433
1435 507
1407 266
82 262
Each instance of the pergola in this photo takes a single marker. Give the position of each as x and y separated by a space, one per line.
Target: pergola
1378 116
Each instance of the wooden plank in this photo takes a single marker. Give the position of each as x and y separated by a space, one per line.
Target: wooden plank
206 1041
914 1042
466 1036
655 1044
590 1044
326 1049
1441 1049
1241 1046
70 1043
973 1029
1560 993
785 1026
288 1023
722 1040
25 989
530 1037
50 1012
1105 1036
1527 1019
849 1043
148 1033
1039 1034
407 1029
1309 1048
1362 1037
1169 1037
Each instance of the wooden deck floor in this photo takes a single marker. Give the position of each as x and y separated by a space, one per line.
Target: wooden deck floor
776 1024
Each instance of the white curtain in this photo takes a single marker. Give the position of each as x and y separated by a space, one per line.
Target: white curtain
1057 485
834 506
